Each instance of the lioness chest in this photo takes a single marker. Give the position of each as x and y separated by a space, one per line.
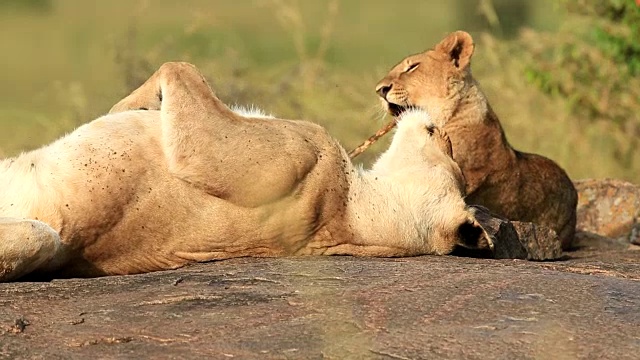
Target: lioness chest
82 183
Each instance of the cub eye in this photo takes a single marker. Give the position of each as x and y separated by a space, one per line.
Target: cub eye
412 67
430 129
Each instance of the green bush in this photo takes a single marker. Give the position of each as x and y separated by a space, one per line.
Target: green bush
593 64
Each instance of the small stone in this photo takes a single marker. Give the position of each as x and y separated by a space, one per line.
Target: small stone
541 242
506 244
519 240
20 324
634 237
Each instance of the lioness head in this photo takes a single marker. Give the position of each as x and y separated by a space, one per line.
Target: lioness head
420 162
433 80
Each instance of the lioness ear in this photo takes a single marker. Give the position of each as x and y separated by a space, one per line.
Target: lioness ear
473 236
459 47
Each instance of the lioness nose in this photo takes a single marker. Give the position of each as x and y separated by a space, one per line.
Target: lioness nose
383 90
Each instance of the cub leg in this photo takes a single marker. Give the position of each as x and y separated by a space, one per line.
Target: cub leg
26 246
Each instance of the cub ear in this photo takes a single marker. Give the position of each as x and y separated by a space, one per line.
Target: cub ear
459 47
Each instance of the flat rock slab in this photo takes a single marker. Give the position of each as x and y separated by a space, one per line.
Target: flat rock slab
585 307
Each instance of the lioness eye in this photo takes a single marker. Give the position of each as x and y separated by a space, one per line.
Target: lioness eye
430 129
412 67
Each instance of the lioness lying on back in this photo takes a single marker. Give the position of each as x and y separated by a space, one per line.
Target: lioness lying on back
190 180
516 185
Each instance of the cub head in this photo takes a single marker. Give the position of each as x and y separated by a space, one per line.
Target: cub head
434 80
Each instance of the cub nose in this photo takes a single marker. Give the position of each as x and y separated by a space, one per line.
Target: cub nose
383 90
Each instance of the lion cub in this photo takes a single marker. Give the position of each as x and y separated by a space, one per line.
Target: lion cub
516 185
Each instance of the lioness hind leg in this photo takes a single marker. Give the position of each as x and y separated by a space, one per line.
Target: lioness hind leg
26 246
174 86
198 130
210 147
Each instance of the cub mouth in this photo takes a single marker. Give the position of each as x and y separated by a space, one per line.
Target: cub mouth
396 110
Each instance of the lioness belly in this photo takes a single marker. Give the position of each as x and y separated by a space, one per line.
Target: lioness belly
107 190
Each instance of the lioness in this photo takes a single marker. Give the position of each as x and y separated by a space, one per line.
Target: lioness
516 185
186 179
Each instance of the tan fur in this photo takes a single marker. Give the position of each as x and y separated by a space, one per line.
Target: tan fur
186 179
519 186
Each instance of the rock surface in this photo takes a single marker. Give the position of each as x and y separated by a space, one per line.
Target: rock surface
586 306
337 308
609 208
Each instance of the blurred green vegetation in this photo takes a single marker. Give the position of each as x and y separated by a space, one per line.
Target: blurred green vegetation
593 64
67 61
